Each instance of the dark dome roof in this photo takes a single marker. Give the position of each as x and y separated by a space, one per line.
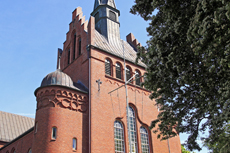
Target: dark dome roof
57 78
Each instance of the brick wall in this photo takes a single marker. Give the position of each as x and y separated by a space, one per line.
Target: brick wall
21 145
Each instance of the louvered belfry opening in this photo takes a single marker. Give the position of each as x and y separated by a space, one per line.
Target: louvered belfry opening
128 74
138 80
118 71
107 67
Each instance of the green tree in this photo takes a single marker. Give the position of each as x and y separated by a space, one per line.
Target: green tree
183 150
188 65
223 143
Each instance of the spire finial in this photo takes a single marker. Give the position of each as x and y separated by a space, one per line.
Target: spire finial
59 63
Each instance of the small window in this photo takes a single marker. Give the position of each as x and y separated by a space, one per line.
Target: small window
79 46
138 79
30 151
118 71
107 67
74 46
74 144
112 16
7 152
54 133
128 73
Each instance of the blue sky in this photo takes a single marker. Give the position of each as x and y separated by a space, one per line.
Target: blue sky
31 31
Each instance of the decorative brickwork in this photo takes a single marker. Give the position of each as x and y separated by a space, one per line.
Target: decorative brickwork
61 98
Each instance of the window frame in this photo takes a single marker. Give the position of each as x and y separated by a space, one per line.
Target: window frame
128 75
122 140
74 143
116 67
133 129
108 63
137 77
54 137
146 133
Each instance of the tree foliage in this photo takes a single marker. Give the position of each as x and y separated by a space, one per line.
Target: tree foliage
188 65
223 143
183 150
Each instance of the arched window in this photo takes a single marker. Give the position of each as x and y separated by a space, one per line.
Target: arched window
132 123
119 137
128 73
30 151
138 79
118 71
144 140
107 67
74 144
79 46
7 152
54 133
74 46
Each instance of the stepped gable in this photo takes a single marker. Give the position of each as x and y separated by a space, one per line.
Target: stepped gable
12 125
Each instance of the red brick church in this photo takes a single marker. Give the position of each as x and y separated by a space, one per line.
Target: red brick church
81 107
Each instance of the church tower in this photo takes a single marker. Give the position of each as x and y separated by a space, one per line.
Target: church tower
107 19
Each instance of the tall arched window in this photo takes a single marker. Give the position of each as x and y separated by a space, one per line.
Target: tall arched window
128 73
119 137
132 123
79 46
107 67
118 71
137 77
144 140
74 46
54 133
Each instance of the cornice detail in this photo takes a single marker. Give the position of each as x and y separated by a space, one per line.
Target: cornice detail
62 98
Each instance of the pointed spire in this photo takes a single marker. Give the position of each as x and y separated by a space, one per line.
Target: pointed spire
104 2
59 63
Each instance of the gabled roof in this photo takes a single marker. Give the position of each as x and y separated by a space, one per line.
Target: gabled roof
115 47
12 125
